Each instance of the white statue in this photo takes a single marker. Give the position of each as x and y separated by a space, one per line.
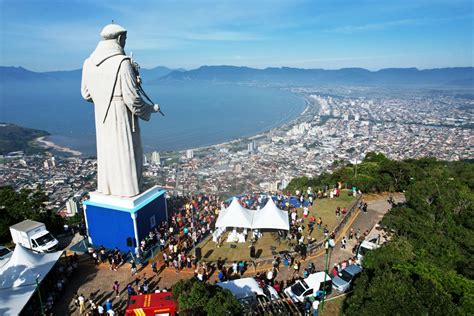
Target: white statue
110 82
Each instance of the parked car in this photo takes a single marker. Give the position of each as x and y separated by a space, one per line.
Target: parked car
344 280
247 290
367 245
319 281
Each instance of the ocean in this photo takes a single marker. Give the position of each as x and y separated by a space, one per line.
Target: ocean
196 113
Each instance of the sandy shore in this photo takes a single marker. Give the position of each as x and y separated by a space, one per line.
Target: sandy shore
42 142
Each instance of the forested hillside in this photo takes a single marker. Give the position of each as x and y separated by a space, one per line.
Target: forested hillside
15 138
427 268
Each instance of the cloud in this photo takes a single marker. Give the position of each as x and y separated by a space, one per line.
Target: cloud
349 29
218 35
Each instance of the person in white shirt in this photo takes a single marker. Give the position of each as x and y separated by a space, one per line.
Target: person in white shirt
305 212
315 307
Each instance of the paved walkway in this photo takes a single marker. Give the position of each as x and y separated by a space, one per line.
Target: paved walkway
98 280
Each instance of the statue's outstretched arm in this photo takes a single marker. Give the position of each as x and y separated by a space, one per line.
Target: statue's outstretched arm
131 96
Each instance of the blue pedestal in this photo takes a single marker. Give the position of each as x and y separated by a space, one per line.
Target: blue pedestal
111 220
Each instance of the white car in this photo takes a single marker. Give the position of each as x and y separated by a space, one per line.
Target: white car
248 290
366 246
315 282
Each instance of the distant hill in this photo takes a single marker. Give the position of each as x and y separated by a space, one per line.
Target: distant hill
20 74
157 72
351 76
17 138
460 76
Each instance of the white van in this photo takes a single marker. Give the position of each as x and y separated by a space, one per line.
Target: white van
247 290
367 245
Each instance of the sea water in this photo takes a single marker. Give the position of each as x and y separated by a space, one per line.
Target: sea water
196 113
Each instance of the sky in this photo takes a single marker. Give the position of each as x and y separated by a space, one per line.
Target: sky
46 35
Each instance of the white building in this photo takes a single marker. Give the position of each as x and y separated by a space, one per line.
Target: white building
189 154
252 147
72 206
155 158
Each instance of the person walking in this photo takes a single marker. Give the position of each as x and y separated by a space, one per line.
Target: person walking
108 305
154 267
116 287
315 307
296 267
133 268
100 310
82 305
343 242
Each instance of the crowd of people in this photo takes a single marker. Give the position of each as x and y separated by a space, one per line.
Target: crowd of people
53 286
192 219
101 255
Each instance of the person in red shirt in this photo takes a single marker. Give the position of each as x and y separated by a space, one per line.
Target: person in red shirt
277 287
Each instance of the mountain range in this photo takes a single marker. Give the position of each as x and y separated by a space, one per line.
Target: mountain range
458 76
21 74
462 76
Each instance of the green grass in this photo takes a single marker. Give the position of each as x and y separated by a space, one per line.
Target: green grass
324 208
332 307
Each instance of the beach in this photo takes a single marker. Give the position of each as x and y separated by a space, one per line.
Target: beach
46 144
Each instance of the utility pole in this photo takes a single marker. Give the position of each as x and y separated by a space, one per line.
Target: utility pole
39 294
328 249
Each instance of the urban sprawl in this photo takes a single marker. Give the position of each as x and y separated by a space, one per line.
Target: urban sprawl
333 127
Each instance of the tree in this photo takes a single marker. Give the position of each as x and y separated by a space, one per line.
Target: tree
427 267
200 298
25 204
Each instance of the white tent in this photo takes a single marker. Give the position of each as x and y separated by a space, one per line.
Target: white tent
271 217
219 220
18 278
235 216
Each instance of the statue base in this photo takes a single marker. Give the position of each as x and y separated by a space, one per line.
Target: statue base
114 221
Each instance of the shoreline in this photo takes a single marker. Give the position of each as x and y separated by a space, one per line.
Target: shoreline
261 134
46 144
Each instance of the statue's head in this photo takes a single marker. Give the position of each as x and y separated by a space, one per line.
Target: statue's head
114 32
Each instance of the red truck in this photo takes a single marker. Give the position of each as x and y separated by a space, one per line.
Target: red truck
155 304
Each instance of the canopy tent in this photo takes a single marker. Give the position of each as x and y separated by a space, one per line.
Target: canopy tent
18 278
235 216
219 220
271 217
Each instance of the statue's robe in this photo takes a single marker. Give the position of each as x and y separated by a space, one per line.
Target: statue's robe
108 81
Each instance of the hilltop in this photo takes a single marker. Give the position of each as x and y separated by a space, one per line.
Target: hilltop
17 138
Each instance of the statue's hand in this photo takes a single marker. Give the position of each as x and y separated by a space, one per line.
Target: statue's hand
156 108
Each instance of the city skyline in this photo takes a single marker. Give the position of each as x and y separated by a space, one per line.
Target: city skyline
304 34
